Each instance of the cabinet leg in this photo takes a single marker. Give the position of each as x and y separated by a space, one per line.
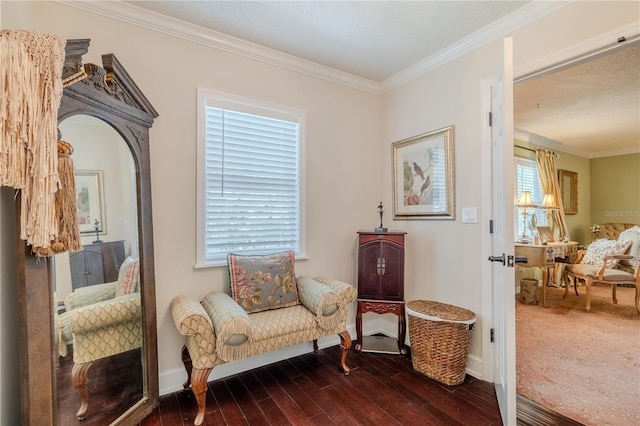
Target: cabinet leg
358 347
402 331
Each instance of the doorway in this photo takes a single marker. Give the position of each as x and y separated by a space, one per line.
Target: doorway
607 63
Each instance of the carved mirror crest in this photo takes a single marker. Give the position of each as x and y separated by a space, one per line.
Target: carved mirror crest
96 362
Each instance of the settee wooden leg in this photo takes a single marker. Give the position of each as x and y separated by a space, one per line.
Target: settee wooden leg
79 379
315 345
345 345
199 388
188 365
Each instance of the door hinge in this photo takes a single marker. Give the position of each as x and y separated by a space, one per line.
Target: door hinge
491 226
490 119
493 336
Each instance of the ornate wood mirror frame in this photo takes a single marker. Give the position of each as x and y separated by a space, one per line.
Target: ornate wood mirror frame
109 94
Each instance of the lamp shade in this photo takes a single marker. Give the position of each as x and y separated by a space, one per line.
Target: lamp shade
525 200
548 202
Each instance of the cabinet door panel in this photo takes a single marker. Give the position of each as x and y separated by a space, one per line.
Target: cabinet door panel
393 278
86 268
368 278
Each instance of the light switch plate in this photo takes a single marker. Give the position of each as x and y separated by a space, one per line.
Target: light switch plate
469 215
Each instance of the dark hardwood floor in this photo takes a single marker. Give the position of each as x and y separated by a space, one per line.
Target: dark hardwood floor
114 385
304 390
309 390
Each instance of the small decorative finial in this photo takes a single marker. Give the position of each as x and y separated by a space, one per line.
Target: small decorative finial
381 212
96 226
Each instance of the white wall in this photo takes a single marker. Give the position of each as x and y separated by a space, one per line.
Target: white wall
349 136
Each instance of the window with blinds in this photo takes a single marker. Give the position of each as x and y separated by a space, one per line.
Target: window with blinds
250 178
527 180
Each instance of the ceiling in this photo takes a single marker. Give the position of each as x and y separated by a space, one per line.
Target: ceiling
370 39
591 110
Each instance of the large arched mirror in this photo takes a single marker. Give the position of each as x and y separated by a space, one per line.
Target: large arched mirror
101 304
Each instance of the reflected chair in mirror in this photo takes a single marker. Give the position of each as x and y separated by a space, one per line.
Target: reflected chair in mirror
608 262
100 321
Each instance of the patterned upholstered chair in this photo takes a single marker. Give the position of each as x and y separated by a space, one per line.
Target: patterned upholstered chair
100 321
220 329
609 262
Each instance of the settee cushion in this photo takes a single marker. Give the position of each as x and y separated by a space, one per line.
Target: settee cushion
259 283
601 248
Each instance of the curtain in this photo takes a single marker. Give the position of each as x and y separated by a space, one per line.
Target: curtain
546 161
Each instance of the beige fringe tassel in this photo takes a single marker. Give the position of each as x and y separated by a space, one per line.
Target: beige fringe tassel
30 92
234 326
66 208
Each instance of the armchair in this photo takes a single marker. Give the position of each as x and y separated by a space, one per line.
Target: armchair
609 262
100 321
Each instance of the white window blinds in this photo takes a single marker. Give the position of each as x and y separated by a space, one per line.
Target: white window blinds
527 180
252 180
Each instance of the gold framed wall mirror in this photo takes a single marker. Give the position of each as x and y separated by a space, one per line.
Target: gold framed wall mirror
568 182
76 372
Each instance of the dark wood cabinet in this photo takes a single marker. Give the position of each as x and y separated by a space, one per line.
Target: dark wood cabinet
96 263
381 279
381 266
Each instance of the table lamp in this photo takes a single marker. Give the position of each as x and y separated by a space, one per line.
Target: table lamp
548 205
525 202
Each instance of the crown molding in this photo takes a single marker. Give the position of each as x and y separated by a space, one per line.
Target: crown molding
131 14
552 144
523 16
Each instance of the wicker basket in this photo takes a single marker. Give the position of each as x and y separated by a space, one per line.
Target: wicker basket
440 336
529 291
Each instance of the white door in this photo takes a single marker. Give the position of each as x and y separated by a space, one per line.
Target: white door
502 272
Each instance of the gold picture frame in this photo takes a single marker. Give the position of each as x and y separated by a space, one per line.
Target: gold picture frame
423 176
545 233
90 201
568 182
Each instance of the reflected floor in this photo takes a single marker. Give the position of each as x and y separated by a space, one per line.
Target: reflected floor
115 384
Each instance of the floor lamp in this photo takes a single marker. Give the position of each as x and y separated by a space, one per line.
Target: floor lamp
525 202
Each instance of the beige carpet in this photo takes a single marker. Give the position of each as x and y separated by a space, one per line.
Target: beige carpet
585 366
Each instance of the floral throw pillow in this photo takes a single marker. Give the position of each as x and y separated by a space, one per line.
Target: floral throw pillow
599 249
259 283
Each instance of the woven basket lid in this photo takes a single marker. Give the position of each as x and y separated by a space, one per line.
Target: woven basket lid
437 311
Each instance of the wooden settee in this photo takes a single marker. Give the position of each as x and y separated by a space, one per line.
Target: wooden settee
218 330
